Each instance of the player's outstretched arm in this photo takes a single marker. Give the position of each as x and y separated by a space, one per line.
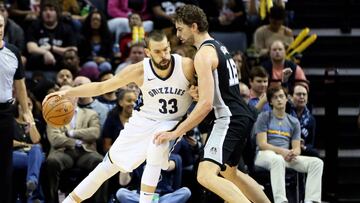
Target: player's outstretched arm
132 73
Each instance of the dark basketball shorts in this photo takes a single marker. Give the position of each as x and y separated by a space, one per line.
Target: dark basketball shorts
227 140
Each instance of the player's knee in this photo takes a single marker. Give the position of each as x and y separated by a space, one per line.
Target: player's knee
202 178
229 172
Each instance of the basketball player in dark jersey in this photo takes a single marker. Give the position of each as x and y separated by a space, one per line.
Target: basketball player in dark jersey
218 89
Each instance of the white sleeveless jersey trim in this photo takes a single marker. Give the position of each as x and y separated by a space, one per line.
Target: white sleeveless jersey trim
165 98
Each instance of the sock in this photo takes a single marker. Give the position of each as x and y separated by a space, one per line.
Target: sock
149 178
146 197
69 199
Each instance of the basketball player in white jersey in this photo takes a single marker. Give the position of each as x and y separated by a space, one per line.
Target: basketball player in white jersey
164 80
218 87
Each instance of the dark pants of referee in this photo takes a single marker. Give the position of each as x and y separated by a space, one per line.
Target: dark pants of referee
6 146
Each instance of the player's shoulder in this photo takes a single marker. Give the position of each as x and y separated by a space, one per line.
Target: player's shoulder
138 67
188 68
186 61
207 51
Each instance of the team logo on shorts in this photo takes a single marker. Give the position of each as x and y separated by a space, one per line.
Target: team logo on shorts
213 150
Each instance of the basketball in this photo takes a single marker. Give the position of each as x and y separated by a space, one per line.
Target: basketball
58 111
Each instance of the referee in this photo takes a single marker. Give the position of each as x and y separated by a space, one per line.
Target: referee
11 75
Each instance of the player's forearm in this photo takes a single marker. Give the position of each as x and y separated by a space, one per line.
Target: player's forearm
200 111
86 90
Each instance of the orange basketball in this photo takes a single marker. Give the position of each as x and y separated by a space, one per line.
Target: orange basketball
58 111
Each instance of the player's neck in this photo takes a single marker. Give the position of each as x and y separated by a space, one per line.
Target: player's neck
200 38
1 44
163 73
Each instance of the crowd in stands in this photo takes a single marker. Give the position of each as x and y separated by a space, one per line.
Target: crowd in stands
73 42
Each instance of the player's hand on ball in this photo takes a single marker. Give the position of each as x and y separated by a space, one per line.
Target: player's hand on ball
163 137
61 93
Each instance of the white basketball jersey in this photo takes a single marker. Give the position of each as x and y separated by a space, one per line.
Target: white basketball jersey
164 98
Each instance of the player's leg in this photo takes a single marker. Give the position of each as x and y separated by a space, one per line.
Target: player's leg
126 153
149 181
216 153
157 159
93 181
236 142
208 177
246 184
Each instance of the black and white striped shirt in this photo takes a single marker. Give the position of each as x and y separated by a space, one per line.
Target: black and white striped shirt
10 69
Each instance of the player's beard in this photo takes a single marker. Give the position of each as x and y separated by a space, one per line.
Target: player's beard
190 41
163 64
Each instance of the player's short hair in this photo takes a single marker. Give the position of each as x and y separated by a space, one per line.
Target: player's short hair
190 14
156 35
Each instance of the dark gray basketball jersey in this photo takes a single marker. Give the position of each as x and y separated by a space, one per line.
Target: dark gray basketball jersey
227 99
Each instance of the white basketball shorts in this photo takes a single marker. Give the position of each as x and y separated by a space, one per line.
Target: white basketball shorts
135 144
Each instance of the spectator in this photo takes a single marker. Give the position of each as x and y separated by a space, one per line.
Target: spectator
278 140
117 117
48 38
91 103
109 99
120 10
225 15
299 109
14 34
136 54
64 77
27 153
71 13
164 10
281 71
135 36
241 67
71 61
258 87
168 189
95 48
244 92
73 145
24 12
265 35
